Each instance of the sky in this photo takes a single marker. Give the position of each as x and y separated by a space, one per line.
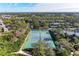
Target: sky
39 7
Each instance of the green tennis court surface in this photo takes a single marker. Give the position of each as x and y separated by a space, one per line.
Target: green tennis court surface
36 35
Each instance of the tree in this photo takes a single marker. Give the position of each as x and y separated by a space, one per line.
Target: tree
36 24
41 48
63 52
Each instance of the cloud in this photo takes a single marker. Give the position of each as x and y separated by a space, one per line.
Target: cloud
61 7
41 7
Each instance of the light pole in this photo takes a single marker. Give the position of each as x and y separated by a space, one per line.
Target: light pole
40 34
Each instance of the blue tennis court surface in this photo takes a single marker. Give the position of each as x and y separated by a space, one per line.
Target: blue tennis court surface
36 35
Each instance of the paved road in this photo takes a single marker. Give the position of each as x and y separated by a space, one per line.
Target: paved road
3 25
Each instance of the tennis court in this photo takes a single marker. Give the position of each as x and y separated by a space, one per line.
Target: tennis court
36 35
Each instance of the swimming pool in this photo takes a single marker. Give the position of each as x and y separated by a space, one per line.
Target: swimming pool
36 35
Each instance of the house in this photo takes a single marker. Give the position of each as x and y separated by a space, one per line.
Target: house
54 25
6 16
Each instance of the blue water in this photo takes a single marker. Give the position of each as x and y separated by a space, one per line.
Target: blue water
35 36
